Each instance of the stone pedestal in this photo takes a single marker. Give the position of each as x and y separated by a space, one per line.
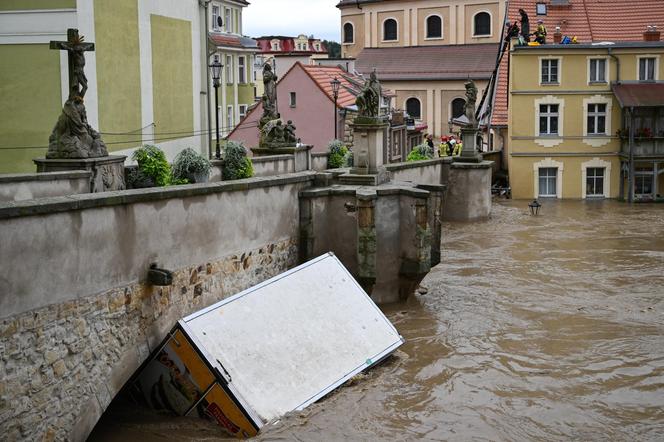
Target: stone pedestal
469 152
302 154
107 173
468 192
368 146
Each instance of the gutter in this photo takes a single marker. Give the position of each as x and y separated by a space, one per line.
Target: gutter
204 33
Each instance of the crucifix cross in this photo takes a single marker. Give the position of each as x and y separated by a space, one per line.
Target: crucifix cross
76 49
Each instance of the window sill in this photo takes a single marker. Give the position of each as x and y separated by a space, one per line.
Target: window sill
389 41
348 43
597 83
483 36
434 38
550 84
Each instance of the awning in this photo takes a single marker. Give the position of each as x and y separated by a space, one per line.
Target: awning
639 94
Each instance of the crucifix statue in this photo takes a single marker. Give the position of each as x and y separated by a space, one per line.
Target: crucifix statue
72 136
76 49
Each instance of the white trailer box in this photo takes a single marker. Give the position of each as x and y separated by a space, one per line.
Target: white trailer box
271 349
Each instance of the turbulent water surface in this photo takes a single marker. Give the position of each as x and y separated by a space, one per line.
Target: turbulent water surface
533 328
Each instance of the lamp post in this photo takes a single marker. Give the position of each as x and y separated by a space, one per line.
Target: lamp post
335 92
534 207
215 67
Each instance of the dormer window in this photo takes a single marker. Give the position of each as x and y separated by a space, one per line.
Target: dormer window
275 45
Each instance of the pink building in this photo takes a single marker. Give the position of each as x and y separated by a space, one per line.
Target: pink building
304 95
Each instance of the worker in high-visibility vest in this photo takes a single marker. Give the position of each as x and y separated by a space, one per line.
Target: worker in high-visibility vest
540 32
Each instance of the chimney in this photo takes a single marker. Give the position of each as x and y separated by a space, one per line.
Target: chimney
557 36
652 34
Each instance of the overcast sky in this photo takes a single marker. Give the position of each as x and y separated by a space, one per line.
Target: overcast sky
292 17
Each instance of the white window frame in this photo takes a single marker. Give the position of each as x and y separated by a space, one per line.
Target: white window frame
638 67
382 31
490 34
275 44
215 21
230 118
590 70
242 110
550 140
426 27
343 33
549 163
548 115
241 69
560 71
596 115
451 107
420 118
230 76
228 14
598 140
600 164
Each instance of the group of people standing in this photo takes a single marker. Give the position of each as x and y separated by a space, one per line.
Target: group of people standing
448 146
524 34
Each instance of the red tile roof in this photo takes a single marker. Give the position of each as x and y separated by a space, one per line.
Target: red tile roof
449 62
348 90
287 45
639 95
225 40
588 20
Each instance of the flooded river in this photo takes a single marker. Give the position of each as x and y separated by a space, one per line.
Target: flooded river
533 328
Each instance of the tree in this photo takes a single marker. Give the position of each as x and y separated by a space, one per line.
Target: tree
333 49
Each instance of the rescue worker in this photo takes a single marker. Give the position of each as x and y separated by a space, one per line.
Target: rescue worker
540 33
444 147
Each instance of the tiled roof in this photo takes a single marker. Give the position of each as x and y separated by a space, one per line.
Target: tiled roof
355 2
588 20
233 41
287 45
639 94
449 62
348 90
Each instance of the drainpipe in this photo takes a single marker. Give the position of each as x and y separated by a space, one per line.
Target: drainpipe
204 34
630 178
617 60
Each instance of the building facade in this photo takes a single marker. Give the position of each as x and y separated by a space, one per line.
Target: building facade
570 113
424 51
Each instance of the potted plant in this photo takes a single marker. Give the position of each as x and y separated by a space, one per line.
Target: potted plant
153 168
236 164
338 155
421 152
191 166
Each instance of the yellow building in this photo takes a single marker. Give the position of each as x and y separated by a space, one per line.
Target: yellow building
570 108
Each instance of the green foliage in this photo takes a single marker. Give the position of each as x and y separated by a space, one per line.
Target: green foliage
152 163
338 155
189 163
421 152
333 48
236 163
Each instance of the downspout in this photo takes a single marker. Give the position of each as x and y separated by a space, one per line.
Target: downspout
206 60
630 178
617 60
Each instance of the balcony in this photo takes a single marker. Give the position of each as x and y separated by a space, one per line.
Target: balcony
644 147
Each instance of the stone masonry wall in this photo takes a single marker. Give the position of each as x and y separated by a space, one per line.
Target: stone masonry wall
61 365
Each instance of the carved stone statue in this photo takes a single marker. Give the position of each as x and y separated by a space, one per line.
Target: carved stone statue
270 95
290 132
368 101
471 100
72 136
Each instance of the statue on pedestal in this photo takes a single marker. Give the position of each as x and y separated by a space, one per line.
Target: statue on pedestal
368 101
273 132
72 136
471 100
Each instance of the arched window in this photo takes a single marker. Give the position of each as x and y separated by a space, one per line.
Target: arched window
414 108
458 107
482 22
349 32
390 29
434 26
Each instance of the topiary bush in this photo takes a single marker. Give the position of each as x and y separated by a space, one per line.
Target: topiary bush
152 165
421 152
338 155
236 164
191 166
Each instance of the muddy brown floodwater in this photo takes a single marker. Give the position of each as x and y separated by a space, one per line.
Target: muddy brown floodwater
533 328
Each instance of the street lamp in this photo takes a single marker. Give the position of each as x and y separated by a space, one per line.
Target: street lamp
335 92
215 67
534 207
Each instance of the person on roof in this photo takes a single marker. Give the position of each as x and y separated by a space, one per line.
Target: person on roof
525 26
540 33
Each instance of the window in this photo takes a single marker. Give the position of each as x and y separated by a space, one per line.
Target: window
275 45
390 30
292 99
540 8
597 119
229 118
598 70
595 181
229 69
647 69
548 119
434 27
349 33
243 111
547 181
229 20
643 182
482 23
550 71
414 108
216 18
458 107
241 70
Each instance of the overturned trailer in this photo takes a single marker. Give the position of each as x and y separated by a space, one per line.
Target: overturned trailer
271 349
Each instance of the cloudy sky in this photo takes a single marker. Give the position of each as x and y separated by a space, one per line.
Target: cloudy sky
292 17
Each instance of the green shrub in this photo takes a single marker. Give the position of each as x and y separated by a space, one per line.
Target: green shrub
153 164
236 163
191 166
421 152
338 155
